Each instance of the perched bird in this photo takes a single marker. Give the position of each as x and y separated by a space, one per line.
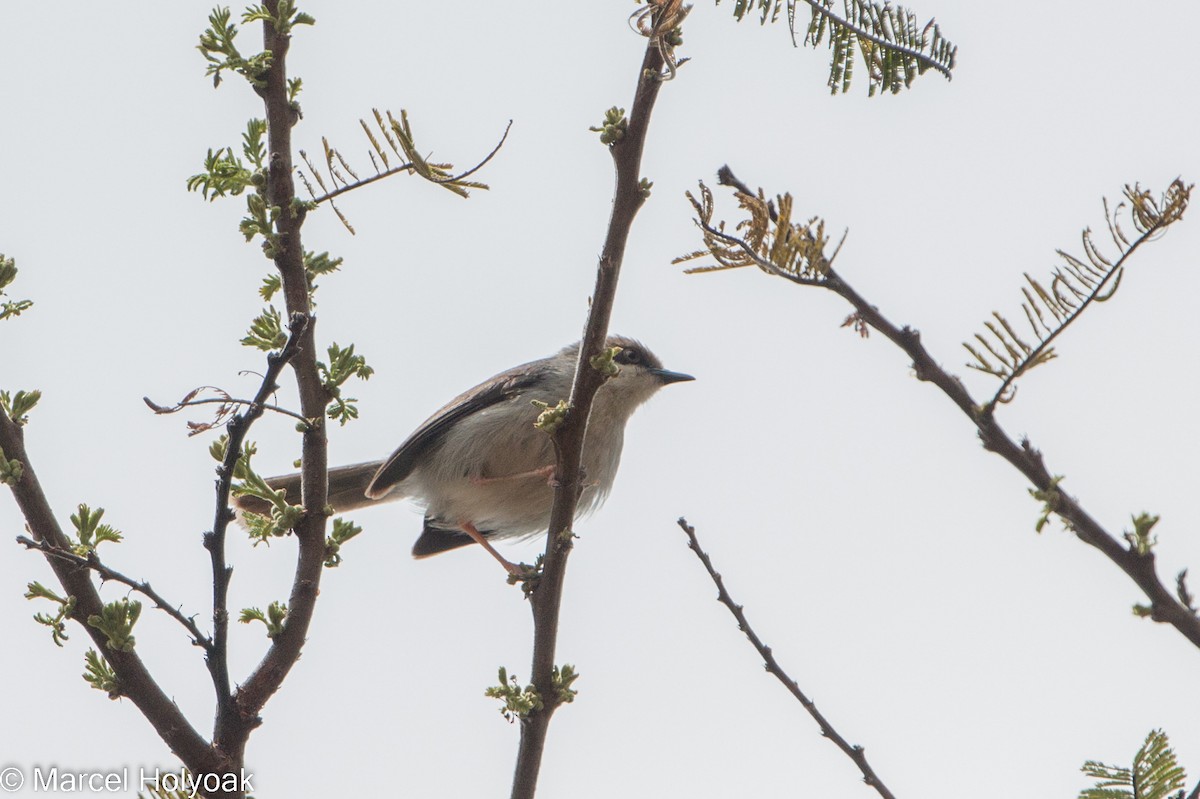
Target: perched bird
481 468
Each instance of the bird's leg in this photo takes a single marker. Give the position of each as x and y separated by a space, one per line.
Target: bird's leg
478 538
546 473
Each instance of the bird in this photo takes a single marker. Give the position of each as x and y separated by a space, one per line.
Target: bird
481 468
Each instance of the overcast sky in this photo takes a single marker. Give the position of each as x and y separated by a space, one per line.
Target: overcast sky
889 560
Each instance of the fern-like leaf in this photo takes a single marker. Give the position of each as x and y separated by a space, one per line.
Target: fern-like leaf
1156 773
1049 308
766 238
894 48
332 180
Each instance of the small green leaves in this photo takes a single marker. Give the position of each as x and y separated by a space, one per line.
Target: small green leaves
17 406
8 273
224 174
273 618
271 284
1049 499
644 187
266 331
343 531
116 621
612 130
518 702
1140 540
563 677
261 222
295 86
217 47
89 532
252 142
11 471
604 363
343 364
282 517
1156 773
57 622
551 416
100 675
283 20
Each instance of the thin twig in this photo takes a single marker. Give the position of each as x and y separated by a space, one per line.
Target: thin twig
855 753
482 163
93 562
226 401
351 186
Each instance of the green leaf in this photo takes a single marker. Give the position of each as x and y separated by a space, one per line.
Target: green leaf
343 531
100 675
518 702
116 621
273 618
57 622
266 331
89 532
224 174
17 406
1155 774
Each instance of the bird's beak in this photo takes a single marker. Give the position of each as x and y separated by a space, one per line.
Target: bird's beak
666 376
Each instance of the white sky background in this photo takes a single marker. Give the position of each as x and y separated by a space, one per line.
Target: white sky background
888 559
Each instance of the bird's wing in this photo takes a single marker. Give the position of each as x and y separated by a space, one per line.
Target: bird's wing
491 392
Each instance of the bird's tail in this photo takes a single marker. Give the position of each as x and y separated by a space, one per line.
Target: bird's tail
347 489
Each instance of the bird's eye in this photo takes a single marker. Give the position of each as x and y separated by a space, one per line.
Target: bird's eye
629 355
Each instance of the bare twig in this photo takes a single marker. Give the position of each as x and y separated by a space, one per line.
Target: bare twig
93 562
855 753
568 439
230 401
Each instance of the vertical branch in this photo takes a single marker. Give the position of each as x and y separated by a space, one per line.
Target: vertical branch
546 599
310 532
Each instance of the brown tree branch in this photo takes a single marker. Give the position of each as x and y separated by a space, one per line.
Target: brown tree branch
546 599
1139 566
134 680
93 562
310 532
855 753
